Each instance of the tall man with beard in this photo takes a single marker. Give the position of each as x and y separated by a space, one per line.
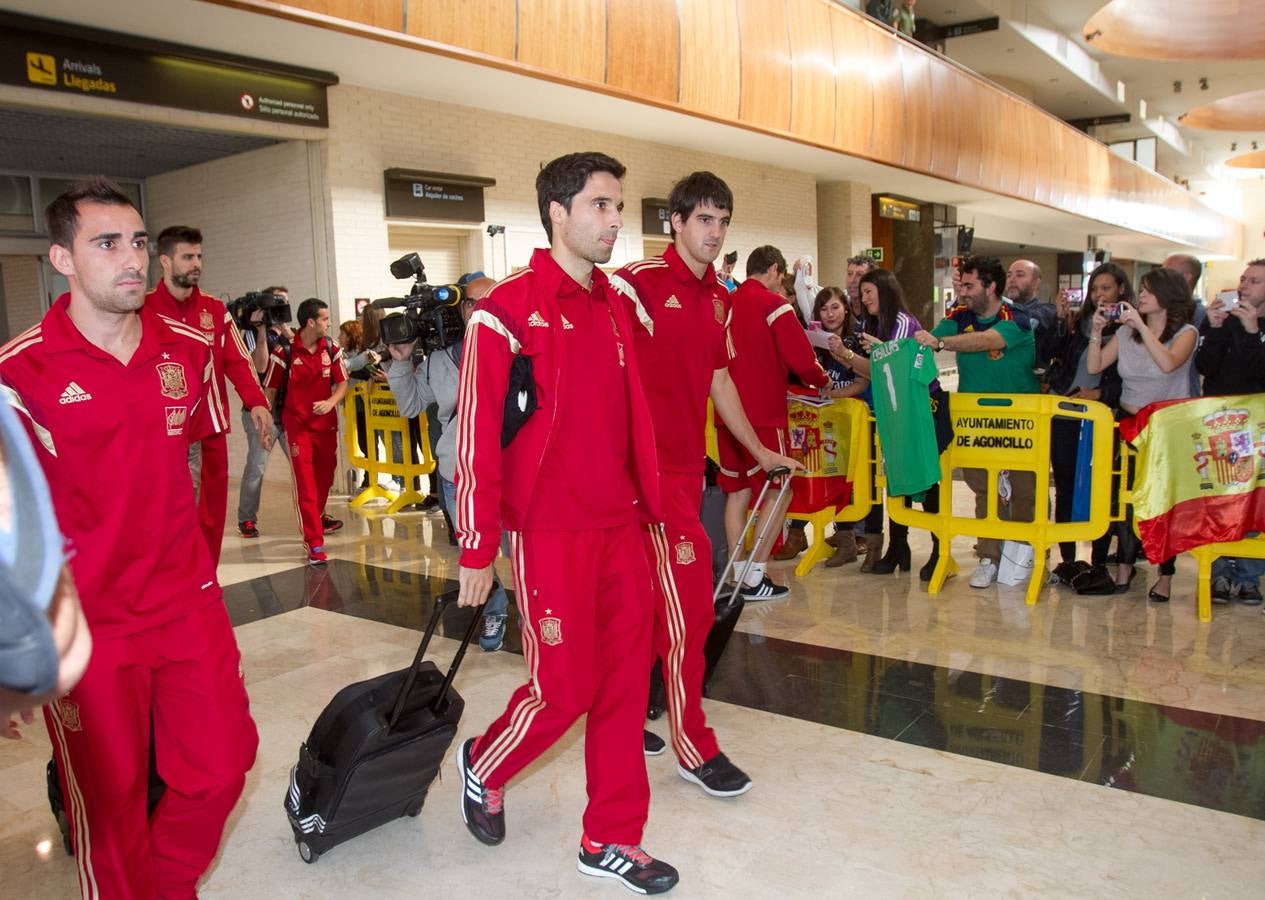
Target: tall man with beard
683 350
112 393
177 296
572 486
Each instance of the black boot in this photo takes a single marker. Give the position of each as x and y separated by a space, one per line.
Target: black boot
924 574
897 554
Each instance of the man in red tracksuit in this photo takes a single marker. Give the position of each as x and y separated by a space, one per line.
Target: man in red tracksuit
683 352
112 394
769 344
177 296
311 370
572 487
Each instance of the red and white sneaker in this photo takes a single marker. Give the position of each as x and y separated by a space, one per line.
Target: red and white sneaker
316 556
248 529
329 523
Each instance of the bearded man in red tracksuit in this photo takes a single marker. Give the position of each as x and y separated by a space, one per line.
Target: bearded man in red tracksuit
769 344
572 487
112 394
177 296
683 351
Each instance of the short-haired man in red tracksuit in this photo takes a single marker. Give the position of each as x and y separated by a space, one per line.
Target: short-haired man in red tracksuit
177 296
572 488
112 394
683 351
311 370
769 344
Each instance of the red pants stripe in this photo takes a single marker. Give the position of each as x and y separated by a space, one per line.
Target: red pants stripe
186 676
313 458
213 493
681 556
586 609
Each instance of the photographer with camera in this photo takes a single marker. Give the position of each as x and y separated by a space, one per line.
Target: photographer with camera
177 296
307 380
263 333
434 381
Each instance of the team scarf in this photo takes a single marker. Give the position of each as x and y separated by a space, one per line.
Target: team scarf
1200 475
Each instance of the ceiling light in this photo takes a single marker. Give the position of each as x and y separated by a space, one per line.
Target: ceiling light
1203 84
1234 147
1177 87
1093 34
1254 147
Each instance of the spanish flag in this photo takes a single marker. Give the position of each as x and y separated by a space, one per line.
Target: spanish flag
1200 476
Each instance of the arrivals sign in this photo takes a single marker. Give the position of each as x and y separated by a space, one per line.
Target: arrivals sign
66 59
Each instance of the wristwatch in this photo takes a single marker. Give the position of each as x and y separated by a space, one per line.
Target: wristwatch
850 354
939 345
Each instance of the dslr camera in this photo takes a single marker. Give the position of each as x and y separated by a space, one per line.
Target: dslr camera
432 313
275 308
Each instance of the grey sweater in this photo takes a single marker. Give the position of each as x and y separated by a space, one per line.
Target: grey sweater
434 380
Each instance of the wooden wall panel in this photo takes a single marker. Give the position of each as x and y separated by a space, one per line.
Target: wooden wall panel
765 96
810 70
643 47
711 61
813 70
388 14
887 84
915 70
567 37
854 100
485 26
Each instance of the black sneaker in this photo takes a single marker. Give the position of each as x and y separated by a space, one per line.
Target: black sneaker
718 776
1222 591
329 523
765 590
653 744
636 869
482 809
430 503
1248 594
247 529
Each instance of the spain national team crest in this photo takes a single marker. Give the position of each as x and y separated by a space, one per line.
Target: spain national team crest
173 381
206 321
719 309
551 629
68 712
685 553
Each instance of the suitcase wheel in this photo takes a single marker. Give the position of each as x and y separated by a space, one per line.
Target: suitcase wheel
414 811
307 854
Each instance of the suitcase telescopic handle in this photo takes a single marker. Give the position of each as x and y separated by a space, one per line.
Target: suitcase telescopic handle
444 600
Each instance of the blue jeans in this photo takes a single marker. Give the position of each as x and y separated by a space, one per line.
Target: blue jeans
1238 570
253 471
498 603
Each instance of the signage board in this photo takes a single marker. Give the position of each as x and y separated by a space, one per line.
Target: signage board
434 196
655 218
874 253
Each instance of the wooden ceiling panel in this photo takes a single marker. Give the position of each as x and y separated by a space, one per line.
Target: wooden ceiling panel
711 61
1179 29
581 55
854 101
1242 112
765 99
643 47
1255 160
485 26
812 70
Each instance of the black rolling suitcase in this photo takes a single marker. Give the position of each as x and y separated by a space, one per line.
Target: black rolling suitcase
729 609
375 749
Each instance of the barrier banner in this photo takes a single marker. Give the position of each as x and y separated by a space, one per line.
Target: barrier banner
1200 472
823 439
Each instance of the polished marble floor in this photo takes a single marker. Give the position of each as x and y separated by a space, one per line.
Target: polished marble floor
901 745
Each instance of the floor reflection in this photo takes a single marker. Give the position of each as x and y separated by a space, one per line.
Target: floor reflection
1209 760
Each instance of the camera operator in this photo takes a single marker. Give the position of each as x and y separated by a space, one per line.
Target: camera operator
261 340
434 381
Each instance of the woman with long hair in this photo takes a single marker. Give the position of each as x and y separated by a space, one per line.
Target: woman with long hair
830 310
1153 351
887 318
1109 288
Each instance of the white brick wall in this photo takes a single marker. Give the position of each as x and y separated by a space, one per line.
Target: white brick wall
843 210
255 213
372 131
22 302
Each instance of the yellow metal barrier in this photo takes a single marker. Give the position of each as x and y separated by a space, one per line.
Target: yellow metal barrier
996 433
382 420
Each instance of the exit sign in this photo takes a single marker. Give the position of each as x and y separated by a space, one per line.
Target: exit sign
874 253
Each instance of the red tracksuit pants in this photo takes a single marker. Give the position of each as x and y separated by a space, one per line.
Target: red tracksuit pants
313 457
584 599
682 558
187 676
213 493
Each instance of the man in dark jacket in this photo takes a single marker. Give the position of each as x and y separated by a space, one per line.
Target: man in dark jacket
1231 358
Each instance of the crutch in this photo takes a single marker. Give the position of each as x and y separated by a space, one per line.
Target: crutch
780 472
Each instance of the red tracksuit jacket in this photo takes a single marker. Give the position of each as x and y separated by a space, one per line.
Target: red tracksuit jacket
494 485
768 344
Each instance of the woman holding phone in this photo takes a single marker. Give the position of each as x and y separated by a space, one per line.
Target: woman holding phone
1153 351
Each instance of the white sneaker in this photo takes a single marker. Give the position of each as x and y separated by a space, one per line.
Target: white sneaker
985 574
